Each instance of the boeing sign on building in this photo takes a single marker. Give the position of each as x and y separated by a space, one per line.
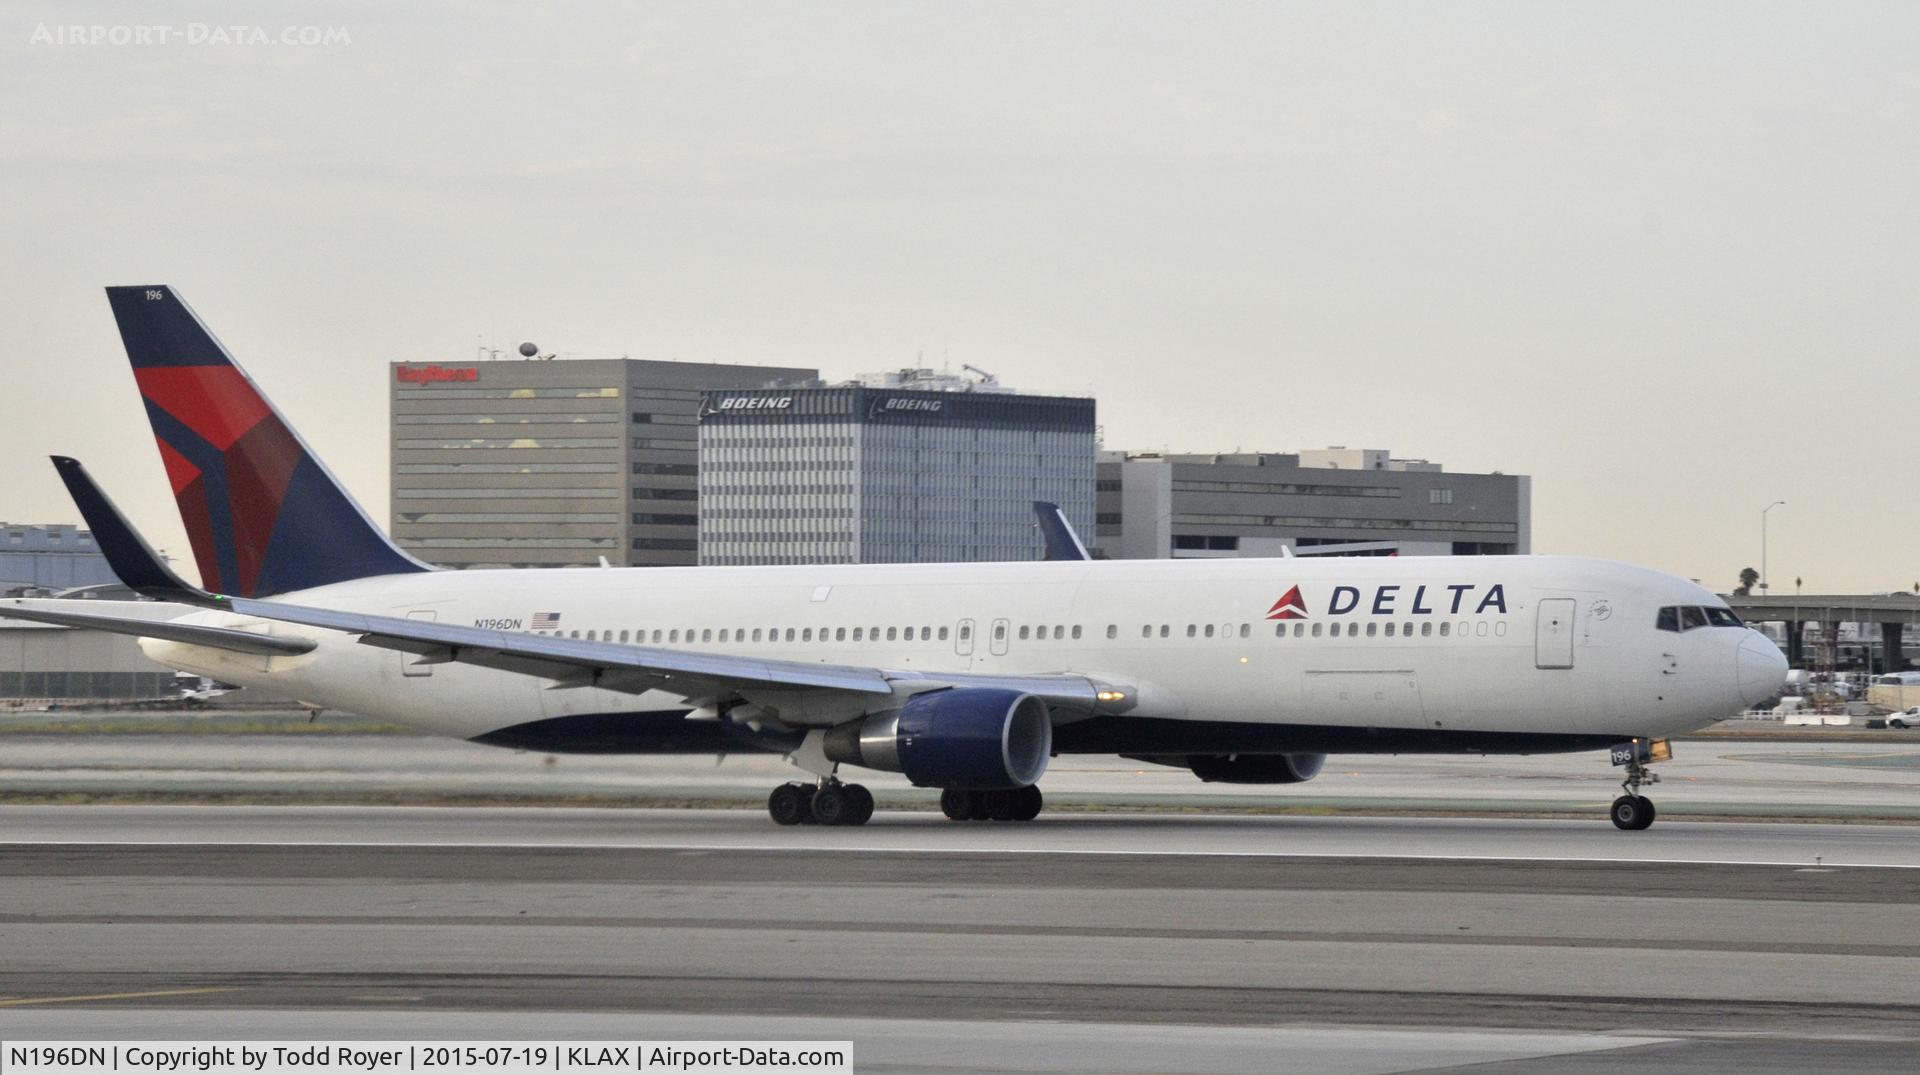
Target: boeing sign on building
858 473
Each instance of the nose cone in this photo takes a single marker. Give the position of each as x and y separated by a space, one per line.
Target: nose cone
1762 669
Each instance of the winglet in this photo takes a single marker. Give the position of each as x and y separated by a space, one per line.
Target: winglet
131 558
1062 542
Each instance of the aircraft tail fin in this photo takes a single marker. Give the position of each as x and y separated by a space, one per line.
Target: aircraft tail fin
1061 542
262 512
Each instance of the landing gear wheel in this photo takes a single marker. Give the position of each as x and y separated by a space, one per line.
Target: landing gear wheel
1030 802
1632 812
859 805
1002 805
959 805
831 805
790 804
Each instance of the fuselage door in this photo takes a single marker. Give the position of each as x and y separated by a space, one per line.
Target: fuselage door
998 643
963 638
407 667
1553 634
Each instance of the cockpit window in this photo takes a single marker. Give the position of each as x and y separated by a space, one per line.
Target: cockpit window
1687 617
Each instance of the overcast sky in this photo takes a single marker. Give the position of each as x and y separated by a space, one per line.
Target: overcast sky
1662 257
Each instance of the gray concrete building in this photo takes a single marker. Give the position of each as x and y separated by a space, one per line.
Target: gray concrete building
1336 501
552 463
45 559
908 469
40 662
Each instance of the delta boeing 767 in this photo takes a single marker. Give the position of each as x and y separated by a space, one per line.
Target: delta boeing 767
965 677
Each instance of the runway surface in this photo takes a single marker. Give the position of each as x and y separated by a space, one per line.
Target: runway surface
1809 779
1075 943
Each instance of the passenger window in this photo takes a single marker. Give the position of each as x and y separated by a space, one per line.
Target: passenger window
926 634
1146 630
999 632
1076 632
789 634
723 634
1023 632
839 634
1163 630
1209 630
623 636
1299 629
1279 630
1245 630
1059 632
966 632
756 634
1407 629
1426 629
1500 628
893 634
706 634
1353 630
1389 630
1480 629
856 633
1692 616
656 635
1372 628
1316 630
673 635
943 634
1444 629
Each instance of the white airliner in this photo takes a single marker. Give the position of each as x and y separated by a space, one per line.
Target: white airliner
963 677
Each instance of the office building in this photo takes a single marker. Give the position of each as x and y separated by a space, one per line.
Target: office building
909 467
1334 502
552 463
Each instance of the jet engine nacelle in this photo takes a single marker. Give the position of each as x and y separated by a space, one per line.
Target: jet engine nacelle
976 738
1256 768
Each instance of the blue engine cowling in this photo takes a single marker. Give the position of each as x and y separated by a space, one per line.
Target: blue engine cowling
974 738
1256 768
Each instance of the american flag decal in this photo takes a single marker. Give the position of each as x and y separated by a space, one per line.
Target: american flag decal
545 621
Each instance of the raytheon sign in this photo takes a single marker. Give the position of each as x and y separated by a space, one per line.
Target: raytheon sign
434 374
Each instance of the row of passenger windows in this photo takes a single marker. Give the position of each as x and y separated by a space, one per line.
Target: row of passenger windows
1688 617
1025 632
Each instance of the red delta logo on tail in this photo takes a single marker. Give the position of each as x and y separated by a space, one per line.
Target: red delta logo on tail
1290 607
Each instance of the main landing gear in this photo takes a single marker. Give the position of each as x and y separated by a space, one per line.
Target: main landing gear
1019 804
1634 811
828 803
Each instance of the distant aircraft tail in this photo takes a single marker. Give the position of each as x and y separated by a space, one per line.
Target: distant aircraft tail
262 512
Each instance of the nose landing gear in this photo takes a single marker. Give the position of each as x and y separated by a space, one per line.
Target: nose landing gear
1634 811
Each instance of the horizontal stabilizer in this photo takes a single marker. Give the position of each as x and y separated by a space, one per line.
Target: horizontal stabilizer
191 634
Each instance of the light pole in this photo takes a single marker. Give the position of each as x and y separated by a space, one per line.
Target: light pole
1763 541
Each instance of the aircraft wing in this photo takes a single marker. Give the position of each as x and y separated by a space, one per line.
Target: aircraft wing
821 692
571 662
227 638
